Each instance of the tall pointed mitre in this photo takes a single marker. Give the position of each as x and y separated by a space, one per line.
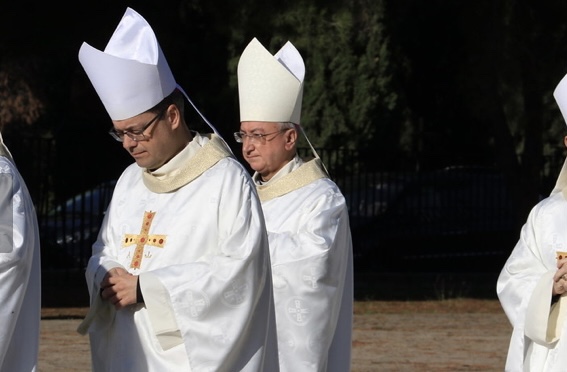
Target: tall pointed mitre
131 75
560 95
270 87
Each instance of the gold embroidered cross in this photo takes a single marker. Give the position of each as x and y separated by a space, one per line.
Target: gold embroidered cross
142 240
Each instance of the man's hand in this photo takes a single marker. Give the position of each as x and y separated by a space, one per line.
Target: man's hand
560 278
119 287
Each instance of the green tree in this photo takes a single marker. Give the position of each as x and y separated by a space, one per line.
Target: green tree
351 99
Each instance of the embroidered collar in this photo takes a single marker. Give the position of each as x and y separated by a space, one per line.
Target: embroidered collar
299 177
200 154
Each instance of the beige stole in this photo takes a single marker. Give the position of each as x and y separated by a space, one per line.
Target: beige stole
302 176
191 168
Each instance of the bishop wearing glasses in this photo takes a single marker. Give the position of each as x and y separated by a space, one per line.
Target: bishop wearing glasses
306 215
179 277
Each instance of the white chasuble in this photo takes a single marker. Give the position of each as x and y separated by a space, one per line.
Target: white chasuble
20 271
311 253
201 252
524 287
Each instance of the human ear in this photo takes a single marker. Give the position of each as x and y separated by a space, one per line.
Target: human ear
290 138
173 115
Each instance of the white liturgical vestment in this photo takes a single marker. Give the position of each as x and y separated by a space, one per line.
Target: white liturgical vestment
311 253
539 337
20 275
201 253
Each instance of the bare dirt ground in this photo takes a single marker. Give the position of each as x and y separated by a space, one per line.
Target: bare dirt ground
440 336
435 335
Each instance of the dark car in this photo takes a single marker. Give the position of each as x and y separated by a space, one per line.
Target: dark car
68 231
455 219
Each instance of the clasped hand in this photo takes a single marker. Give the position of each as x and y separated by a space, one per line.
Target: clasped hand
119 287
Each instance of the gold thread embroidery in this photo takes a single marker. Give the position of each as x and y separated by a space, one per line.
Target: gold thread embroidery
143 239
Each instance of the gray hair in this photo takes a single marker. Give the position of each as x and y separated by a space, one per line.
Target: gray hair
287 125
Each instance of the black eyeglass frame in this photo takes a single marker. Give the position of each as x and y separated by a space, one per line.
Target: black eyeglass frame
135 135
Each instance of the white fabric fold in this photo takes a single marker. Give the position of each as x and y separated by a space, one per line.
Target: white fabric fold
160 311
544 321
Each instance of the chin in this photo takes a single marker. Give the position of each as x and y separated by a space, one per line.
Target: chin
255 169
254 163
145 165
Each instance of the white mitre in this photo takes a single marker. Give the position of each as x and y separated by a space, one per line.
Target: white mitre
560 95
132 75
270 87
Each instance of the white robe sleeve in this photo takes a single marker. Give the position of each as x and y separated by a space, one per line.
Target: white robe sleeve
524 286
543 320
12 268
160 311
19 273
101 313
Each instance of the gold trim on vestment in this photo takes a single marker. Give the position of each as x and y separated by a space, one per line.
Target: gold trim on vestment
210 154
302 176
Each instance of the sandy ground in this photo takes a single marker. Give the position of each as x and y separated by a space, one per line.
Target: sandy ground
436 335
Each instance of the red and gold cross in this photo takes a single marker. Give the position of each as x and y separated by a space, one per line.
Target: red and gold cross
142 240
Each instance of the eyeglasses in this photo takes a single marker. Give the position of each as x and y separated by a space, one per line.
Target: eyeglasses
255 138
136 135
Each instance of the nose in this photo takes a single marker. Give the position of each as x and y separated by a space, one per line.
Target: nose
247 144
128 142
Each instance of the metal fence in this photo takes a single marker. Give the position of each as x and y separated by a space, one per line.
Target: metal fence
399 219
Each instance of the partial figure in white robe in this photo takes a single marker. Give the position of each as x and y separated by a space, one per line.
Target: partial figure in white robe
180 275
20 271
533 282
306 216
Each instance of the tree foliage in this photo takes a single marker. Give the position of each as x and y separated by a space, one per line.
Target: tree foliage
351 99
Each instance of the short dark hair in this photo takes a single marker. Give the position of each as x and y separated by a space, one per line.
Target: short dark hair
175 98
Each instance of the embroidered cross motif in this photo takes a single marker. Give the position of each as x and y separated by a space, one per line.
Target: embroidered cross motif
310 277
142 240
297 310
